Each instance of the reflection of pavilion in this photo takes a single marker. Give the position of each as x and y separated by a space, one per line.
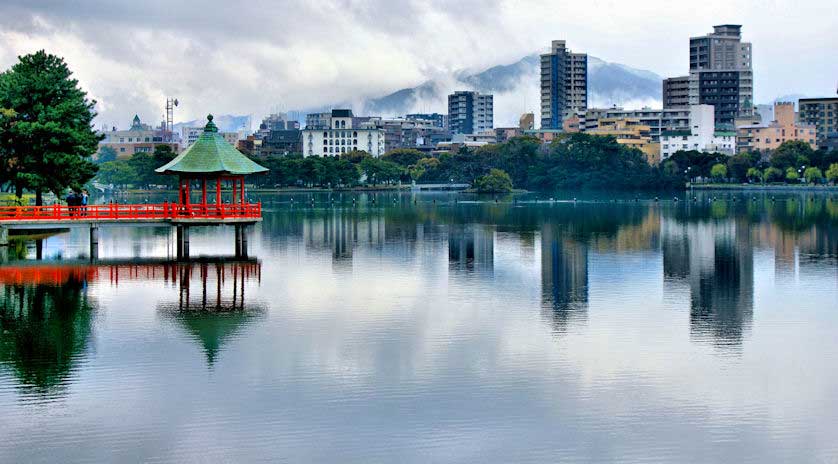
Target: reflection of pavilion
564 276
211 304
471 247
715 259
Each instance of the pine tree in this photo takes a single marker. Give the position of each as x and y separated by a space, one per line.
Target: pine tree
50 140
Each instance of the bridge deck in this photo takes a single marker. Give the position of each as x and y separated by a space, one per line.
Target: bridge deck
115 213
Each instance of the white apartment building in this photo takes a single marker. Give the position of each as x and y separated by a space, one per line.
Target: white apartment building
189 135
700 136
341 136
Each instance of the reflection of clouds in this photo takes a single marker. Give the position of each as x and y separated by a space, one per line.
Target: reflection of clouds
405 357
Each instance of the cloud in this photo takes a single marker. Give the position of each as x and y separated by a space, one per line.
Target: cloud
256 56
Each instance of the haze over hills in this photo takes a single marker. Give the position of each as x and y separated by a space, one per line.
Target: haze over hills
516 89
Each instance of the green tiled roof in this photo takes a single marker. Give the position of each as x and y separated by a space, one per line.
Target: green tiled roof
211 154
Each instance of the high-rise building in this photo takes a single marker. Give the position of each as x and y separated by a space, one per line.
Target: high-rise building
564 84
676 92
470 112
721 74
821 113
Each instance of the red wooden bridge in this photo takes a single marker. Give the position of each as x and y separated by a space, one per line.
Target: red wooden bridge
116 212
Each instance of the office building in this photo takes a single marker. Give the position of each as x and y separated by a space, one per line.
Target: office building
721 74
564 84
470 112
821 113
676 92
770 136
341 135
701 135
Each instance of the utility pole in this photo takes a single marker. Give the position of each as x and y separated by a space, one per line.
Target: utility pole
171 103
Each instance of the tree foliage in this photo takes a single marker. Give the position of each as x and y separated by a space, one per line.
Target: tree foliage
46 136
496 181
718 171
105 154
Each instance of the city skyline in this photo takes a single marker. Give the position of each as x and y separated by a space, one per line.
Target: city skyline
130 57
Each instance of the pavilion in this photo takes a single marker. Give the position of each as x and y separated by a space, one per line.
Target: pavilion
211 160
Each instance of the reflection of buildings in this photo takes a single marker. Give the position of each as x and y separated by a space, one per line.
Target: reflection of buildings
715 261
44 329
564 275
471 247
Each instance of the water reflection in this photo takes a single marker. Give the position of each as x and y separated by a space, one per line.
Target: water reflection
714 258
211 305
564 276
382 331
46 320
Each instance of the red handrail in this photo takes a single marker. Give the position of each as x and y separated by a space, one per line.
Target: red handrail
117 211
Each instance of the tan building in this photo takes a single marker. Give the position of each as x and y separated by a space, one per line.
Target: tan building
629 131
140 138
770 136
526 122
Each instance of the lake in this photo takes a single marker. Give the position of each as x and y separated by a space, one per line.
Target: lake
434 328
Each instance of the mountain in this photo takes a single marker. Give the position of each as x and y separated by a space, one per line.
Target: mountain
516 89
224 122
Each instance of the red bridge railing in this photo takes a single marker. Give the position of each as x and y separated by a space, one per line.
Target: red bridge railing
116 211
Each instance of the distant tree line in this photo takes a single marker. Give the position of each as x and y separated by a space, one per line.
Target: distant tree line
790 162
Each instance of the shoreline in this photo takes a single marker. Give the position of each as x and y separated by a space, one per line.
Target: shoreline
760 187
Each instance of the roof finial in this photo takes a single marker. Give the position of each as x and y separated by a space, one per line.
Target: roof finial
210 127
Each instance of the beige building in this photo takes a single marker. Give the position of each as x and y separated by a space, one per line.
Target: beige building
630 132
526 122
140 138
770 136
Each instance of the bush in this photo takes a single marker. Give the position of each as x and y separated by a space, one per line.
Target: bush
497 181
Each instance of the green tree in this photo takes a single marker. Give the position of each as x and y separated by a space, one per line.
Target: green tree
355 156
117 173
832 172
791 175
404 156
718 171
812 175
105 154
754 174
497 181
791 153
772 174
51 139
144 165
381 171
738 165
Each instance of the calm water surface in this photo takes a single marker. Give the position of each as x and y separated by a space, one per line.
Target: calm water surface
416 329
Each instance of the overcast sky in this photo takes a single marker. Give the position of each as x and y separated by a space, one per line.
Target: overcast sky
255 56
